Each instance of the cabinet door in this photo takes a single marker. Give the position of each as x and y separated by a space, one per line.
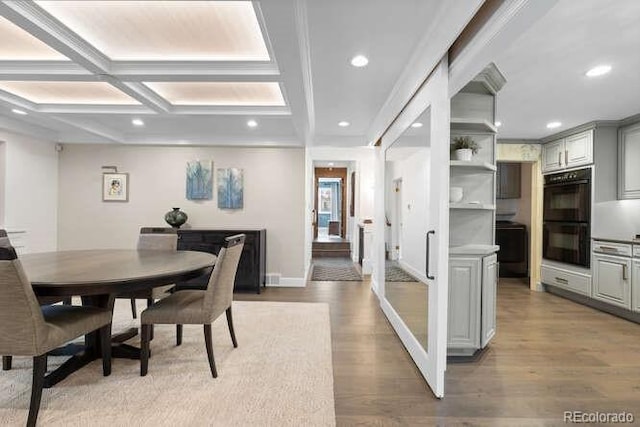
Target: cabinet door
635 288
578 149
464 303
511 181
612 280
553 155
628 155
489 289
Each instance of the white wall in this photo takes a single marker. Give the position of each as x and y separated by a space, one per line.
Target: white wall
30 191
413 170
273 197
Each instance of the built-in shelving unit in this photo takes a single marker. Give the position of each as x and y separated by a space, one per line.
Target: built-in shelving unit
473 263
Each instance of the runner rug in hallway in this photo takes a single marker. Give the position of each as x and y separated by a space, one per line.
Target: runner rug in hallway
334 270
394 273
281 374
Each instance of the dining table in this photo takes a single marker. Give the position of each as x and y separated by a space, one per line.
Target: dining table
98 276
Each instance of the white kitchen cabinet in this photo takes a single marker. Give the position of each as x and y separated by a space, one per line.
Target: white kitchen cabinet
552 153
612 279
635 286
569 152
489 294
464 305
472 303
628 155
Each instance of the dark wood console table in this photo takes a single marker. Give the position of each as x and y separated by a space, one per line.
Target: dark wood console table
252 268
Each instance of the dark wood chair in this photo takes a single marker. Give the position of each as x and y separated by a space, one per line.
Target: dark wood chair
197 307
31 330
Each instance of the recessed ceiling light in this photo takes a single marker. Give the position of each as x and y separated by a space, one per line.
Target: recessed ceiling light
498 124
359 61
343 124
22 113
331 163
598 71
416 125
252 123
553 125
137 122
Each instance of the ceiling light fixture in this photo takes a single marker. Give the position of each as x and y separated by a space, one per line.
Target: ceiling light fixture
416 125
22 113
553 125
252 123
359 61
498 124
137 122
330 163
343 124
598 71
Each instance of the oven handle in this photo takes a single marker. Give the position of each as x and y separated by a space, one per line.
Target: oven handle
560 184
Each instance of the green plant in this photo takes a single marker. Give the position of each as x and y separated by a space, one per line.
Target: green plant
465 142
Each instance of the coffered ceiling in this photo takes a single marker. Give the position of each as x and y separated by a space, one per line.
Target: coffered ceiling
197 72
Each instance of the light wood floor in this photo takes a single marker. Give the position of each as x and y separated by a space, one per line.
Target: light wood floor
550 355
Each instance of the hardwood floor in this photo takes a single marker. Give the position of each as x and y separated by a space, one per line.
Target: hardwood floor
550 355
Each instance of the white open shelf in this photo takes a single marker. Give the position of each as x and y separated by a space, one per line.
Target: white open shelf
473 206
475 166
472 125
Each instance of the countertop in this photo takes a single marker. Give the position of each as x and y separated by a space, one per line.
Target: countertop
474 250
629 241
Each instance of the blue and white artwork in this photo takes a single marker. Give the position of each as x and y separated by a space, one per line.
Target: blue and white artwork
230 188
199 180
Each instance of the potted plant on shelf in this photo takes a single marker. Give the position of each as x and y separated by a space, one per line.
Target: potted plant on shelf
465 147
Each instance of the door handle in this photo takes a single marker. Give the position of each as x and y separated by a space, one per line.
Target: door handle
561 280
427 259
566 157
624 271
559 158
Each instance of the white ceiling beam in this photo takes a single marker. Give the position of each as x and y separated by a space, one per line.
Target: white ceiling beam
195 71
223 110
44 71
92 109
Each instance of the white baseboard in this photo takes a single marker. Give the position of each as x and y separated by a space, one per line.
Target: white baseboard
415 273
289 282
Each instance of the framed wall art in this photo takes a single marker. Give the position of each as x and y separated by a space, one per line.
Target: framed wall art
115 187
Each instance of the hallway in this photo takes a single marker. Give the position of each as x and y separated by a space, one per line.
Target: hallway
550 355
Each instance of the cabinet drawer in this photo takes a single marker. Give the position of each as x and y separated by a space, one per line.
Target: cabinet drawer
576 282
635 286
636 251
612 248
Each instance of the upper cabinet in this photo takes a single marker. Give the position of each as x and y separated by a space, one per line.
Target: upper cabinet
508 181
628 155
574 150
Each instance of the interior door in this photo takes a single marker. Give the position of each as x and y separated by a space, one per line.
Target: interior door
419 155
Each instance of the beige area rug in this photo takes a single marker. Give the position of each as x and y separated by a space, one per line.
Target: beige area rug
280 375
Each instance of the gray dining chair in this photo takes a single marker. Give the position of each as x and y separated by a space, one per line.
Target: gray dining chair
153 239
29 329
197 307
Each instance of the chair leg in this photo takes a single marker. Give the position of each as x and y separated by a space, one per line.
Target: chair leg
178 335
6 363
209 345
144 351
39 370
105 344
133 308
231 331
149 304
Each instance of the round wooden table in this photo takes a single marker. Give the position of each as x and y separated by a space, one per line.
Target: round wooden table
98 276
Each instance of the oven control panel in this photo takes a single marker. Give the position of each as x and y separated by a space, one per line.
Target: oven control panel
576 175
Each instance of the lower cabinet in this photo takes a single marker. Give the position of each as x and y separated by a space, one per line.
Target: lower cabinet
635 286
612 280
472 303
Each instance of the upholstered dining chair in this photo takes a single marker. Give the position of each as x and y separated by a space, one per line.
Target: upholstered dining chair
153 239
31 330
198 307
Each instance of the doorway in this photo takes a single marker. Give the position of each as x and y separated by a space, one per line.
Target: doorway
330 203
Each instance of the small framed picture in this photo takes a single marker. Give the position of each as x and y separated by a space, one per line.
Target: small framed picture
115 187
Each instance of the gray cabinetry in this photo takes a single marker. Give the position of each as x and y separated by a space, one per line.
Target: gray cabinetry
472 303
489 290
508 180
629 162
612 279
574 150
